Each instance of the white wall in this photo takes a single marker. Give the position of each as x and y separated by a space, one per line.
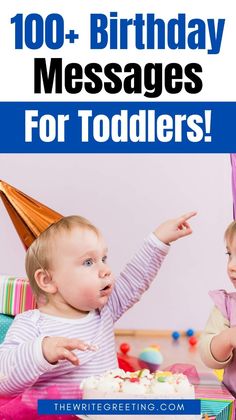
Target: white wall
127 196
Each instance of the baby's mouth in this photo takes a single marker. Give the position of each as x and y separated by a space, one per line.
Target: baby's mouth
105 290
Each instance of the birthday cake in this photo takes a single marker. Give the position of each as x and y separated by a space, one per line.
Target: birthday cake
118 384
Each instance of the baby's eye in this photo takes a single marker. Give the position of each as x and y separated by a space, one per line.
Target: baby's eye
88 262
104 259
228 253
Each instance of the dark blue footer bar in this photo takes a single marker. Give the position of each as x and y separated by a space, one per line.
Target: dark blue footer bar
120 407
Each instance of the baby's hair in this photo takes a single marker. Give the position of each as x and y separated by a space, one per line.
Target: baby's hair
230 232
39 254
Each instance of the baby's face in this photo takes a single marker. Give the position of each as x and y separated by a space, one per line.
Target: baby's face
80 270
231 267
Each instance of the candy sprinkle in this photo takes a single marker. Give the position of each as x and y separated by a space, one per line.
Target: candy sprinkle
161 379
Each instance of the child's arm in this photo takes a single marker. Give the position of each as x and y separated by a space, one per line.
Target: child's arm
138 274
217 341
21 357
25 355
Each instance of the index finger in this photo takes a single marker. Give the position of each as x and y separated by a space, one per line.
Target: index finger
187 216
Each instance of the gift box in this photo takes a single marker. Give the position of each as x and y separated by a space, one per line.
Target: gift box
5 322
15 295
216 401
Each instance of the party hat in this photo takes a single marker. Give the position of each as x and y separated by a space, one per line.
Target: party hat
30 217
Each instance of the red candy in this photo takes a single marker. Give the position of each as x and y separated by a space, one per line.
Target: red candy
124 348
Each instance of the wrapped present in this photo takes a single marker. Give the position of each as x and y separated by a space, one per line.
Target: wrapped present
15 295
5 322
216 401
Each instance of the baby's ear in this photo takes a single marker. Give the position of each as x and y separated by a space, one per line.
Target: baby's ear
44 281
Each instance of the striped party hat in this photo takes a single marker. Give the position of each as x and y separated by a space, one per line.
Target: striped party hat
30 217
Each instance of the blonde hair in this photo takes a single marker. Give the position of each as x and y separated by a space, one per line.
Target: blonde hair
230 232
39 254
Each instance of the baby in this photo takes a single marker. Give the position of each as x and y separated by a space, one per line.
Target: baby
70 336
218 342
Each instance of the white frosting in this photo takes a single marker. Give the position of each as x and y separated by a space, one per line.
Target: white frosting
109 385
162 384
133 388
162 389
90 383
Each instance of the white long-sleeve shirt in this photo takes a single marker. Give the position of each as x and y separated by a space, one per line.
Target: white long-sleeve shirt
21 358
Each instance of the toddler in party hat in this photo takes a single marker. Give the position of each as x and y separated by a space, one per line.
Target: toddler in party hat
70 337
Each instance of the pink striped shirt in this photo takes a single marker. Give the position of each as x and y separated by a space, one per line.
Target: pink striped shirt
21 358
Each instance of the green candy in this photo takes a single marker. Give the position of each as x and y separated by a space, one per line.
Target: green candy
161 379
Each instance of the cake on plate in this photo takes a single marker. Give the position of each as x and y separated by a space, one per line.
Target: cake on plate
118 384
